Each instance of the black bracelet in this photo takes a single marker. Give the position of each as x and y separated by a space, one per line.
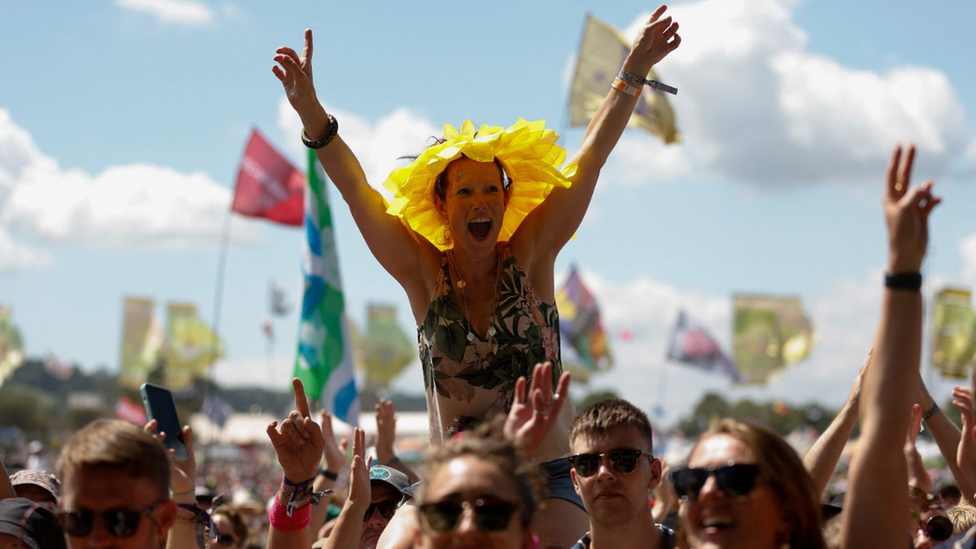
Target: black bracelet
325 139
930 412
904 281
329 475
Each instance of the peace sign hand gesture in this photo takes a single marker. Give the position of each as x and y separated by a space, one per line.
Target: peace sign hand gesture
298 440
907 214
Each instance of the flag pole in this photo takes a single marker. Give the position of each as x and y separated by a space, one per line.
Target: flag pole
217 309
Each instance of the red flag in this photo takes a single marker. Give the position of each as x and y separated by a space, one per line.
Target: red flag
268 185
127 409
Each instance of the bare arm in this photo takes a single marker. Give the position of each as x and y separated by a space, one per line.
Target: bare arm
877 494
349 523
335 461
823 456
947 437
393 245
553 223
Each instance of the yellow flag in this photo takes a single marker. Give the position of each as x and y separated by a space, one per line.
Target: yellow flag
11 345
189 346
953 333
142 338
602 53
769 334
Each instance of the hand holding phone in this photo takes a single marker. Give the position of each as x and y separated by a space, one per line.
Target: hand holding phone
160 406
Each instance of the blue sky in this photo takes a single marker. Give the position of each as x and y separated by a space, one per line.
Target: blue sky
122 124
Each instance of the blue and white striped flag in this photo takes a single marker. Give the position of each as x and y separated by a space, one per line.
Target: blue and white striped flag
324 359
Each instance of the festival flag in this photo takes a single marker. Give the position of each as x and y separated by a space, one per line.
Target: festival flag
691 343
216 410
324 361
601 54
129 410
11 345
190 346
769 333
268 185
953 333
142 339
278 304
386 349
581 326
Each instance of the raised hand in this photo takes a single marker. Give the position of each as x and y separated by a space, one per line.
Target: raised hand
917 475
360 491
334 453
295 74
182 474
385 431
906 212
962 400
656 39
298 440
533 415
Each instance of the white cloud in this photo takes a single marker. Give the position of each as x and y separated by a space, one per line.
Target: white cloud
15 256
757 106
132 205
377 146
967 248
180 12
971 149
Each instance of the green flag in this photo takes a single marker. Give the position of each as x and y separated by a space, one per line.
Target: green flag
324 358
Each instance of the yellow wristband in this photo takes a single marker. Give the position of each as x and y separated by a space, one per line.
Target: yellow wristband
619 84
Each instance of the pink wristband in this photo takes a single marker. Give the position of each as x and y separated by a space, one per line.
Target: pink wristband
280 521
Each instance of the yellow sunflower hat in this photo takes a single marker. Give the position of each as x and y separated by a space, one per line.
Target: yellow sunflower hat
527 150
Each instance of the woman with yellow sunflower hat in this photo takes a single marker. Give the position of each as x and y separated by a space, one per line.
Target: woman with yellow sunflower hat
472 235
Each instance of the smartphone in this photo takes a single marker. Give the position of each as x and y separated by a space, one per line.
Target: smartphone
160 406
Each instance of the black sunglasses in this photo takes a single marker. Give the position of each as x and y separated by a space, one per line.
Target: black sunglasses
937 528
735 479
120 523
490 516
226 539
387 509
622 460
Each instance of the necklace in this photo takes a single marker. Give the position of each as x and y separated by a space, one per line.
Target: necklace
461 284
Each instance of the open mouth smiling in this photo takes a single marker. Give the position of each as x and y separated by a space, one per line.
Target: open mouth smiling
479 227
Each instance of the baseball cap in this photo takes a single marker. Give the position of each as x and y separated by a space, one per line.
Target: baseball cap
390 476
37 477
34 525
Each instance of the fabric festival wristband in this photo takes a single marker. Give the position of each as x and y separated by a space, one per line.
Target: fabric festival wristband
283 520
620 85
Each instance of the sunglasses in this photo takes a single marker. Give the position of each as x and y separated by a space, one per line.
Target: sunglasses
490 516
387 509
120 523
622 460
735 479
226 539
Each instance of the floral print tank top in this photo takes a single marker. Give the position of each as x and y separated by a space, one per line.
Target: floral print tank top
477 378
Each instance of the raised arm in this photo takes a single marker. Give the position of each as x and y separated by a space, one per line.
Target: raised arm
947 436
553 223
823 456
392 244
298 444
349 524
874 508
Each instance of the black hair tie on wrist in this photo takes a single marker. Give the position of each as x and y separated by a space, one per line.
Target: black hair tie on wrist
904 281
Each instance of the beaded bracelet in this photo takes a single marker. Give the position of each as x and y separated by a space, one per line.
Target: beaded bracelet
325 139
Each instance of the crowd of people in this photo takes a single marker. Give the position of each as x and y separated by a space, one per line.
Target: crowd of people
472 235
